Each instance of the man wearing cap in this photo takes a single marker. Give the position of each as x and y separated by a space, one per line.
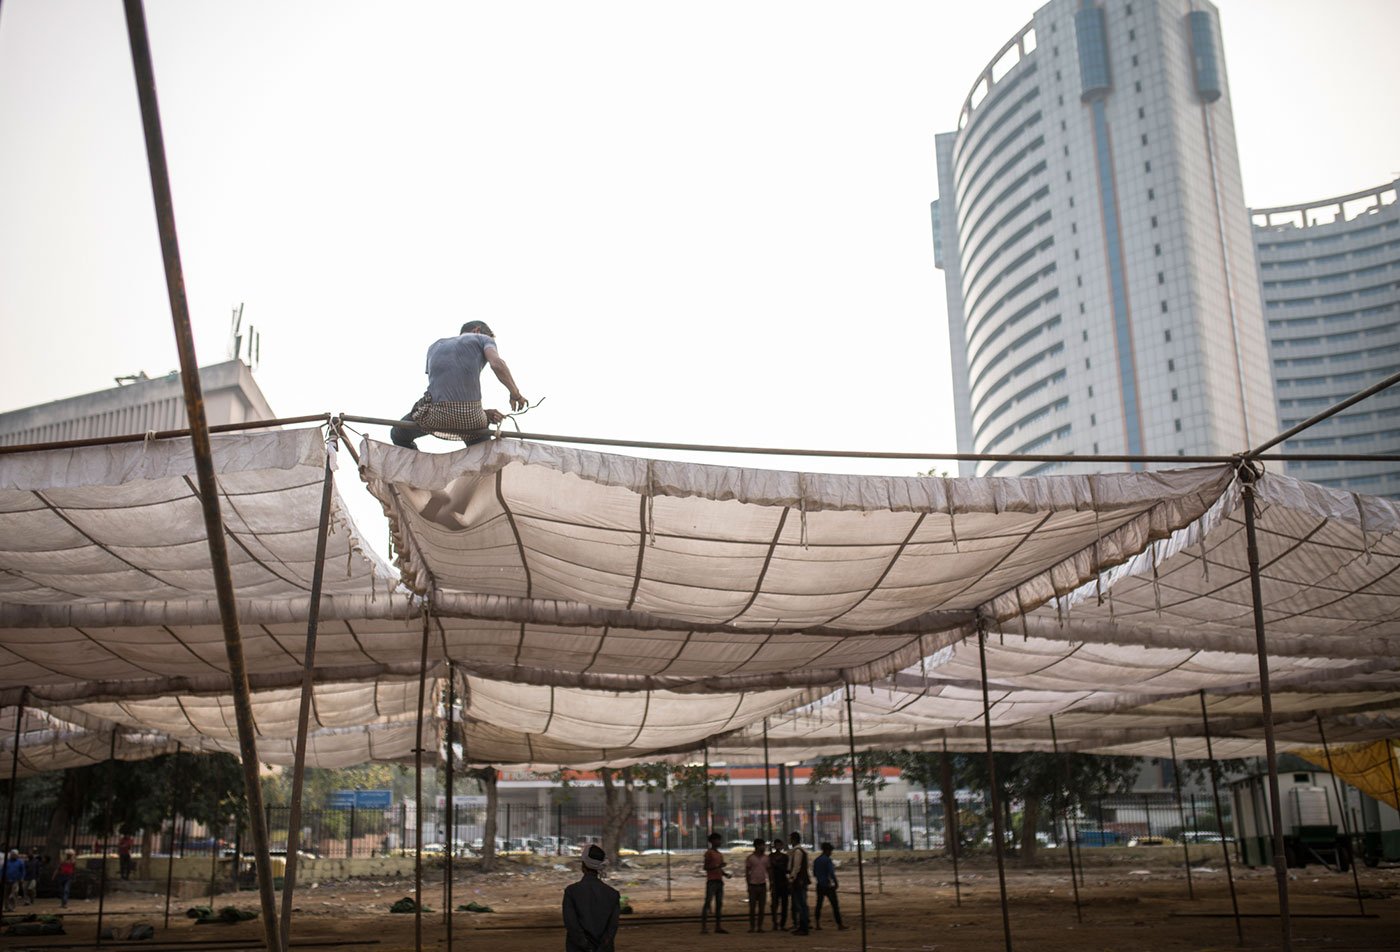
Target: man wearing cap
451 407
591 908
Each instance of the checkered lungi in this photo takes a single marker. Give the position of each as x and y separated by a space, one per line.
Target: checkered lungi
451 421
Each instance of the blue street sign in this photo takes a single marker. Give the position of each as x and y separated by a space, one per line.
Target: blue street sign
360 799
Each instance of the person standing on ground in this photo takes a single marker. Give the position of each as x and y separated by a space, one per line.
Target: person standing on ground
798 877
14 879
33 866
714 886
63 876
124 854
591 907
756 875
824 870
451 407
778 880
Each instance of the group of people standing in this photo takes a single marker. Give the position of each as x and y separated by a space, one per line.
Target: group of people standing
777 883
23 871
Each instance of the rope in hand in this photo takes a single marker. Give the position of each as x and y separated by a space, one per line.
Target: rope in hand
518 413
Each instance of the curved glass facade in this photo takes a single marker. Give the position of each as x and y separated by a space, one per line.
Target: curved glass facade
1093 304
1330 278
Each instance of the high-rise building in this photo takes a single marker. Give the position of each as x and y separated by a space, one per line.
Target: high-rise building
143 404
1330 277
1091 225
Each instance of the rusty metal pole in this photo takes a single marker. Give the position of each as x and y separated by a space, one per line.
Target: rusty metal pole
170 848
418 790
1346 823
1069 840
1220 821
106 835
203 455
950 824
709 810
767 789
451 810
1247 477
308 688
10 800
860 832
1181 813
992 778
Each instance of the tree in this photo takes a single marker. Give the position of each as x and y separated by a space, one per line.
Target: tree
488 777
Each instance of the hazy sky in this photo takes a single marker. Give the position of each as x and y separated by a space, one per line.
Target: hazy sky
697 222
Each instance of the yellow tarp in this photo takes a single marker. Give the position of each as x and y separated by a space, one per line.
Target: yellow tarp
1370 768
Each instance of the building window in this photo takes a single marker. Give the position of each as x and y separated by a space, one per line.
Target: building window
1132 36
1137 86
1147 166
1071 201
1157 250
1066 148
1076 254
1062 125
1167 335
1081 307
1061 100
1173 395
1069 177
1074 228
1142 113
1180 452
1128 9
1154 221
1161 277
1093 419
1091 390
1164 307
1177 425
1057 75
1096 449
1144 138
1135 59
1151 194
1087 365
1078 281
1084 334
1171 364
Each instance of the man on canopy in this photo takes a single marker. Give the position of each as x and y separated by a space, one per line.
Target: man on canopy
451 407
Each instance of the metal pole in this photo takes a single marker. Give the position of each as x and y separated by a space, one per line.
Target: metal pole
875 833
1064 770
992 777
10 801
1346 824
1220 821
418 789
170 848
855 798
767 788
1181 812
950 824
1247 479
308 682
666 834
106 834
203 455
451 803
709 812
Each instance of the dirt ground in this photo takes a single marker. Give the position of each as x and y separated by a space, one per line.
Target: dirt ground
1132 900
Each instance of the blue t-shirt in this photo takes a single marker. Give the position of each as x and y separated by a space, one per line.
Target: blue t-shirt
454 368
824 870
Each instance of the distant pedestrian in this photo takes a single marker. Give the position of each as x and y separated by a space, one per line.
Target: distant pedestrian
799 876
824 870
591 908
64 875
778 885
14 879
33 866
124 855
756 875
714 886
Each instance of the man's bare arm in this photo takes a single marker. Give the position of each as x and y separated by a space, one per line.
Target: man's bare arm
502 372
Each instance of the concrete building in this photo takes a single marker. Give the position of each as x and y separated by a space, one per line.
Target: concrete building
230 396
1092 230
1330 278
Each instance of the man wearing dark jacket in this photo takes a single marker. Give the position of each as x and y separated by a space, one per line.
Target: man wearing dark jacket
590 908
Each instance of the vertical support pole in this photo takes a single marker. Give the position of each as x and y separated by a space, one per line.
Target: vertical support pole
855 798
1247 478
451 803
10 800
418 788
350 834
170 847
909 823
308 687
709 810
767 788
1346 823
992 777
106 836
1394 784
1181 812
666 834
1070 844
1220 821
950 824
203 455
876 836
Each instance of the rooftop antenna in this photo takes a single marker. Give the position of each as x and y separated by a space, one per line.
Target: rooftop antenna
235 338
252 353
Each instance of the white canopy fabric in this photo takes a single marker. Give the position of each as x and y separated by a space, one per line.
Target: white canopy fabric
604 608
